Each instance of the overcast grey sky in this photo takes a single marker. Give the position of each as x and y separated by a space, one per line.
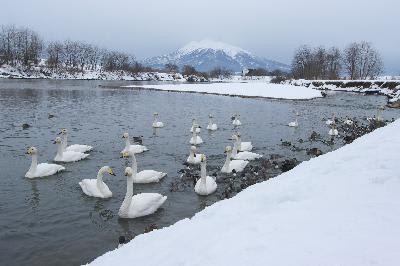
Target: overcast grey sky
267 28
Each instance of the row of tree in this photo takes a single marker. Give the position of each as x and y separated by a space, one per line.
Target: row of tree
356 61
23 46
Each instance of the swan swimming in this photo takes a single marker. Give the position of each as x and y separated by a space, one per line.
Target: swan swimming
144 176
42 169
96 187
229 165
195 140
243 155
194 158
206 185
156 123
329 121
333 131
132 148
195 125
211 126
67 156
141 204
73 147
295 123
236 121
243 146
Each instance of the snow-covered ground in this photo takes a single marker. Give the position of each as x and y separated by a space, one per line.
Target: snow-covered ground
244 89
379 86
341 208
41 72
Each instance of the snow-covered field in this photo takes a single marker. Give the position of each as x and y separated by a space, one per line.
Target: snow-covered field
376 86
245 89
45 73
342 208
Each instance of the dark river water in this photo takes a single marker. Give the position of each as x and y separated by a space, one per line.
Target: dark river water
49 221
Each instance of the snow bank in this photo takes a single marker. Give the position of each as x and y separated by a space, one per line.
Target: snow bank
341 208
254 89
42 72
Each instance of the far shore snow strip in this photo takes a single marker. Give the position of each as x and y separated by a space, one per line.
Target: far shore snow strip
245 90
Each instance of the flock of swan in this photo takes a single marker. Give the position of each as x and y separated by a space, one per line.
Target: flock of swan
144 204
237 158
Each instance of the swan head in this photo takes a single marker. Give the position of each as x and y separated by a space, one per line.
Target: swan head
125 154
63 131
31 151
107 169
228 149
128 171
193 148
210 116
155 114
125 135
57 140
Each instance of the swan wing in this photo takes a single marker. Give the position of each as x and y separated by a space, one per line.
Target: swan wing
238 165
45 169
145 204
246 155
148 176
79 148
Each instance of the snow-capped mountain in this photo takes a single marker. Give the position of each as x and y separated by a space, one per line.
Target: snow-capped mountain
206 55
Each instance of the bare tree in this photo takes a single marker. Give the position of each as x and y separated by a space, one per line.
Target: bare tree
188 70
171 68
334 65
55 55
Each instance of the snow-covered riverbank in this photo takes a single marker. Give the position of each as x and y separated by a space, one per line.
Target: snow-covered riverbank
45 73
341 208
243 89
389 88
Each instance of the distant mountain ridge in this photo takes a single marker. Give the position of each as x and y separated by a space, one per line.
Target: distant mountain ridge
205 55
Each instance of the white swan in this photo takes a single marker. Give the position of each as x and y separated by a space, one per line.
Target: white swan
229 165
195 140
156 123
42 169
243 155
329 121
195 125
67 156
144 176
73 147
211 126
236 121
132 148
194 158
96 187
333 131
141 204
295 123
243 146
206 185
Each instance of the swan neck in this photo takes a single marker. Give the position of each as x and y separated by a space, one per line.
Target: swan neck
33 167
65 141
100 177
203 171
60 149
134 165
194 134
239 143
228 159
127 143
235 149
210 122
191 155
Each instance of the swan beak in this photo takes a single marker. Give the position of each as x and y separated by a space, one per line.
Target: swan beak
112 173
27 153
54 142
